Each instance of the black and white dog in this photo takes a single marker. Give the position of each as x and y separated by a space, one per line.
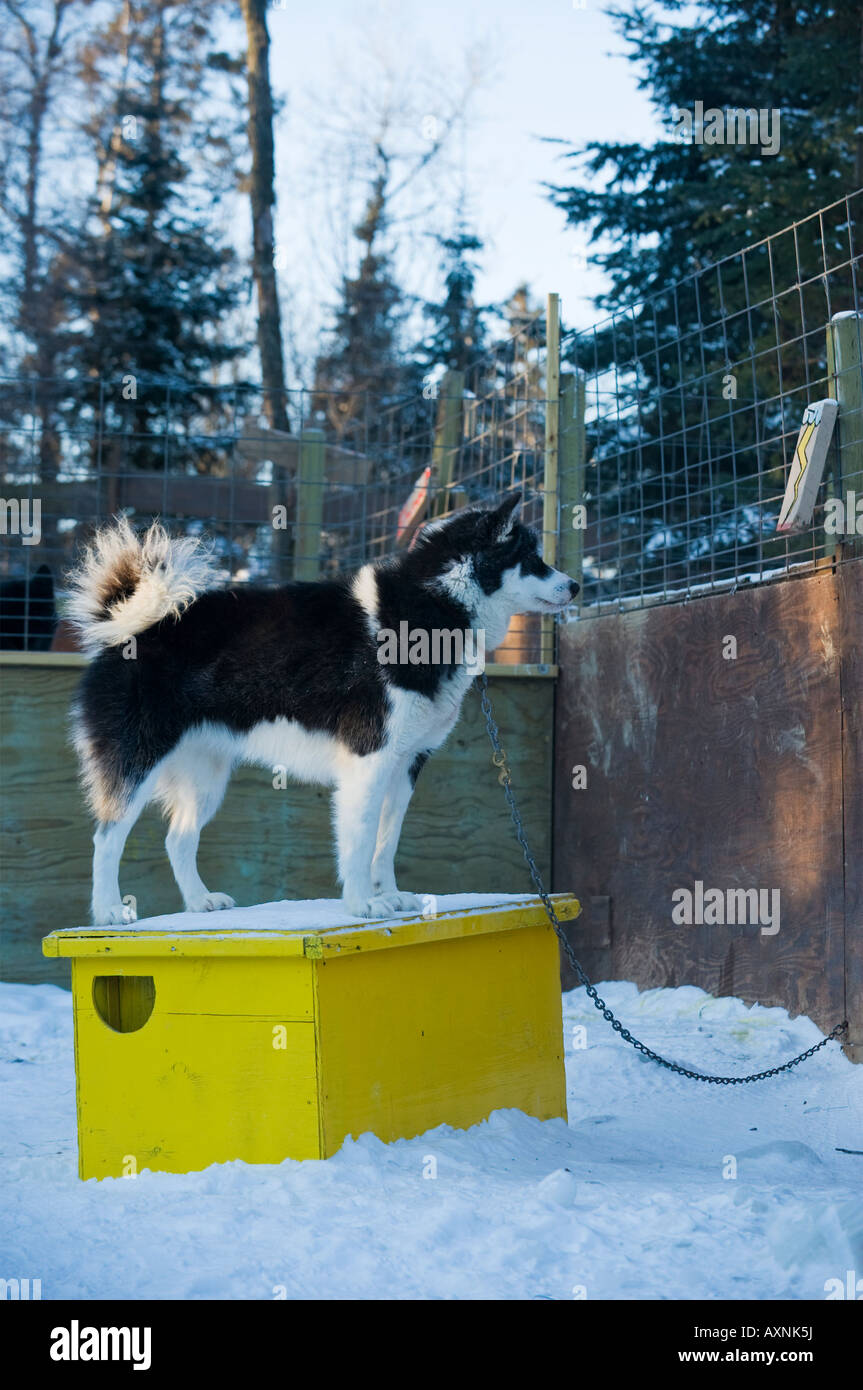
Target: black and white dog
189 680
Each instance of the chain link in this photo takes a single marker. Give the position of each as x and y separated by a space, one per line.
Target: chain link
505 779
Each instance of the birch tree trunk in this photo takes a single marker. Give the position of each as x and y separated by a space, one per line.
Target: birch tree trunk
263 199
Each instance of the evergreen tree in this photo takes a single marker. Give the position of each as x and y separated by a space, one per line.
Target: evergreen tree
364 354
37 62
457 337
685 461
671 207
152 281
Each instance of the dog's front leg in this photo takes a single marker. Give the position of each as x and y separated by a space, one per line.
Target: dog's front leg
357 806
396 802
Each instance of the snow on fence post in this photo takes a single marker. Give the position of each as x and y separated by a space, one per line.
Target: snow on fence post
845 373
310 505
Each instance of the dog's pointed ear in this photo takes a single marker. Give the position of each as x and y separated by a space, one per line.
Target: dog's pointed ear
503 518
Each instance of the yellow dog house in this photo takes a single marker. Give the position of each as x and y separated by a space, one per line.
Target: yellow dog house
200 1042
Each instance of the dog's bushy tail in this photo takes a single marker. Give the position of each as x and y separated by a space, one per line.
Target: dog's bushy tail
125 582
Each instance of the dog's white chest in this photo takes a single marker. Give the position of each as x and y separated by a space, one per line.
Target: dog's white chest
418 723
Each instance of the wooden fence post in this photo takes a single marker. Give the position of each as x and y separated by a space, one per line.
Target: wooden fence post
447 440
571 475
845 372
310 505
550 492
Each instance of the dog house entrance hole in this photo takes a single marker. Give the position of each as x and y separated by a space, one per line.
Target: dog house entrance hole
124 1002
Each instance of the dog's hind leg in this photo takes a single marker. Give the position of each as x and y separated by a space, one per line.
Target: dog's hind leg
192 794
109 841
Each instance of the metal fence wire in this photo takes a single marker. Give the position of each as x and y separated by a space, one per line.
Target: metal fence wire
692 401
355 477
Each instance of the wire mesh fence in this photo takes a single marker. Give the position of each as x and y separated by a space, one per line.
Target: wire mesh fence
693 402
353 480
672 438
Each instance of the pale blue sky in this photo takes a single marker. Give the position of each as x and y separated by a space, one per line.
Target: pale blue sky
555 70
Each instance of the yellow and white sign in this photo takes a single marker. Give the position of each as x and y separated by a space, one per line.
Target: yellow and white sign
807 466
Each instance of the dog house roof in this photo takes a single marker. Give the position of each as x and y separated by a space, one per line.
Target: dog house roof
316 929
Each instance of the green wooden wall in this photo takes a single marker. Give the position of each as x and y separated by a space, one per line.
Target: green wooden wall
264 844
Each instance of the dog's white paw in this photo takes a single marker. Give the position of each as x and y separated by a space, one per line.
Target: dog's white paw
383 904
405 902
118 915
211 902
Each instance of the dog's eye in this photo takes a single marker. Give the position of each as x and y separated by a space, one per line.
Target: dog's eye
535 566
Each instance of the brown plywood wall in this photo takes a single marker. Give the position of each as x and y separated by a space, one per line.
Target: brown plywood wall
736 770
264 844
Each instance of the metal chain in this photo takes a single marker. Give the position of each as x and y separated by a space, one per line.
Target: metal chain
505 779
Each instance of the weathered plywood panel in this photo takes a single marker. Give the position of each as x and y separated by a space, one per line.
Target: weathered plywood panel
264 844
850 589
705 767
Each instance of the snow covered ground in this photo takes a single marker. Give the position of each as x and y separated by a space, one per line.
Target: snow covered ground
629 1200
